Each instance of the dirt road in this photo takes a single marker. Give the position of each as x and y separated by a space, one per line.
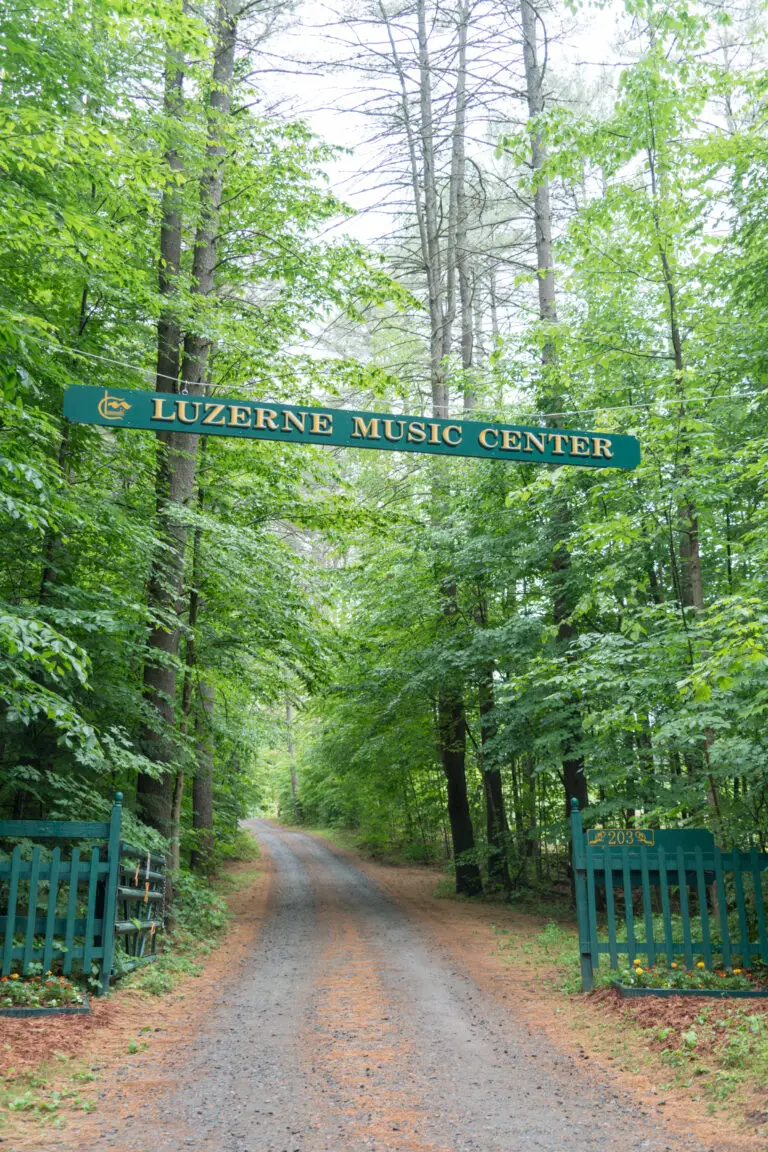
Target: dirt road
347 1031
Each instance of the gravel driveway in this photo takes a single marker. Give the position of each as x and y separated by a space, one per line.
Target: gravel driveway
348 1031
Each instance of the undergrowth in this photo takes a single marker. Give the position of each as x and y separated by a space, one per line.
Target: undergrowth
201 916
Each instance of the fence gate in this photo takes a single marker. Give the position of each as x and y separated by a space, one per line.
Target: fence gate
666 893
60 906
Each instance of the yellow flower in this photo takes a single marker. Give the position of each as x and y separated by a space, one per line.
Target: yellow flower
700 964
638 969
737 971
14 975
673 964
635 962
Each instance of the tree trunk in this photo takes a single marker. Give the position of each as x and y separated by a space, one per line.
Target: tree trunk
202 857
497 827
437 349
420 140
292 759
574 776
452 740
177 461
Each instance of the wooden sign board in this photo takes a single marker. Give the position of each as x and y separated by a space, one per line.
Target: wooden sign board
260 420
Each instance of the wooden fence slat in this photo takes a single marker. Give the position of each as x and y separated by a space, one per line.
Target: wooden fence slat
592 907
13 892
723 908
29 939
701 887
663 882
610 907
74 879
93 881
110 893
684 909
650 943
757 885
50 918
741 908
55 829
629 912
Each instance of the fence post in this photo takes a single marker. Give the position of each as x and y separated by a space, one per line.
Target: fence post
110 895
580 886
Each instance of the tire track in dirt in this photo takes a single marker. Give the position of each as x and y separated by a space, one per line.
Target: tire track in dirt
364 1074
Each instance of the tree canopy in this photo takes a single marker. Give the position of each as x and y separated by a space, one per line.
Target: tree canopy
437 653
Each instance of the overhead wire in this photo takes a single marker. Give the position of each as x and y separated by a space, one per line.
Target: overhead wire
485 412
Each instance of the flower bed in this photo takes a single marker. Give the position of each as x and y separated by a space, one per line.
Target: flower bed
40 996
675 979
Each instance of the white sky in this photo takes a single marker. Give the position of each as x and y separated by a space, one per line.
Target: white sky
329 101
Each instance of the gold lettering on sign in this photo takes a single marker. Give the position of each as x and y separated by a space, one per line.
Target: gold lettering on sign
239 416
369 431
181 411
212 413
298 422
265 418
322 424
601 446
157 409
510 441
434 433
532 438
447 435
559 440
579 445
388 429
483 435
417 433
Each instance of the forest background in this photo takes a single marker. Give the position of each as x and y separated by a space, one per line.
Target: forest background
438 654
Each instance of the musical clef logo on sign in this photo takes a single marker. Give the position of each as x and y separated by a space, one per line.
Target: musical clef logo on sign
112 407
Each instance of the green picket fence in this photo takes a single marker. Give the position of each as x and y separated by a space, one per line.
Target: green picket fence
64 910
659 893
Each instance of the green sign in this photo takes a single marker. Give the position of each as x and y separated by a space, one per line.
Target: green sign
259 420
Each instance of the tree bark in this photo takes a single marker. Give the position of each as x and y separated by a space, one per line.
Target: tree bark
452 739
574 776
292 759
202 856
437 349
497 827
177 458
420 140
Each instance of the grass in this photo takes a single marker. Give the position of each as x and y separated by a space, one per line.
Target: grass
31 1092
